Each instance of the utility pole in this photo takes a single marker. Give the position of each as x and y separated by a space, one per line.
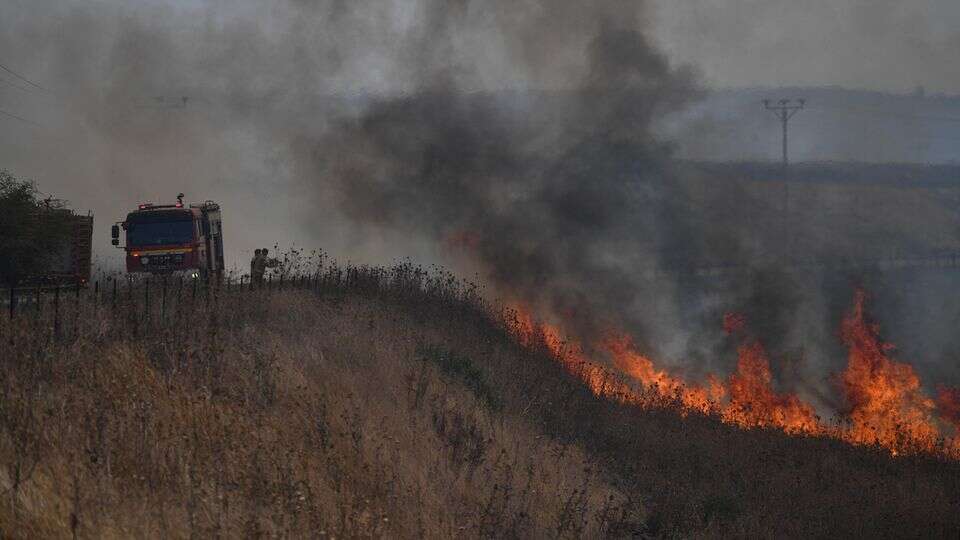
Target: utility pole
784 110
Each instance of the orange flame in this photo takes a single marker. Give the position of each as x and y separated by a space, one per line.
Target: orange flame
753 401
948 404
662 384
598 379
887 405
734 322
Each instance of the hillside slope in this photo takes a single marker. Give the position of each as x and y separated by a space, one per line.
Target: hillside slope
382 405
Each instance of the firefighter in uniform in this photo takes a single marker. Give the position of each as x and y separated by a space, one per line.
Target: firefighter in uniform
253 266
259 266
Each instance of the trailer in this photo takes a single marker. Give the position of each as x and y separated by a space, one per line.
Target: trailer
66 261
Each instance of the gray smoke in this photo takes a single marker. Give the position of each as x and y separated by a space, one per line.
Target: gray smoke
545 187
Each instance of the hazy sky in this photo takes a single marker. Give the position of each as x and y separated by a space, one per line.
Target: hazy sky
878 44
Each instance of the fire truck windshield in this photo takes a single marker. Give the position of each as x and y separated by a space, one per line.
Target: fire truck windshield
159 233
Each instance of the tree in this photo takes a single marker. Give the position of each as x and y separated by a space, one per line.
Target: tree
33 231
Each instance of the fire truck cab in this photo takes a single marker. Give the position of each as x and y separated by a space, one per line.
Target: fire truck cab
163 239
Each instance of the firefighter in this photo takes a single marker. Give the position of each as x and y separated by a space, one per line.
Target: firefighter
260 264
253 265
267 262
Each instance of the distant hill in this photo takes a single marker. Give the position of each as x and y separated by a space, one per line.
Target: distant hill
837 125
751 213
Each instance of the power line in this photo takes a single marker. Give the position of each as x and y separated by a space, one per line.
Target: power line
936 138
884 112
20 118
21 77
17 86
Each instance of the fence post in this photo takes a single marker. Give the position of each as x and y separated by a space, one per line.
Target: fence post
56 311
132 309
146 299
76 309
163 299
179 314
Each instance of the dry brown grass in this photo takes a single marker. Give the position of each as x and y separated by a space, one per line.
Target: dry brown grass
276 414
382 404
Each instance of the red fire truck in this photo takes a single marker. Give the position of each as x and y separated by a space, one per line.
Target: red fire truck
167 238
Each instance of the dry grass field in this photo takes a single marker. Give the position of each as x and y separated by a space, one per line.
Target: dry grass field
388 403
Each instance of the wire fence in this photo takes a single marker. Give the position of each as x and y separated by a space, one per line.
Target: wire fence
139 306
